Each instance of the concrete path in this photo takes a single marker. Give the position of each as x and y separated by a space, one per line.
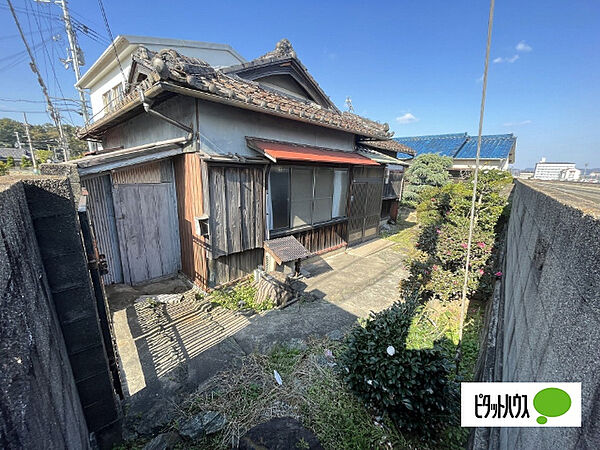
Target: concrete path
167 350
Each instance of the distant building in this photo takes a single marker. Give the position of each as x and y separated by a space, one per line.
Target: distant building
547 170
497 151
570 174
525 175
15 152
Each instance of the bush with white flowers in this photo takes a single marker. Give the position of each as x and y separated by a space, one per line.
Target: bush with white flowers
413 387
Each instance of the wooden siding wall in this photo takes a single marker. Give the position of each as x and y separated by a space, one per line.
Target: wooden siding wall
154 172
188 182
102 212
323 238
237 209
232 267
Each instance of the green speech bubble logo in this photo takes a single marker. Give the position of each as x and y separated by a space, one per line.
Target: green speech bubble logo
551 402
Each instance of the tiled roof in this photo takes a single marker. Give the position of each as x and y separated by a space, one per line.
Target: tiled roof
389 144
443 144
492 146
16 153
193 73
461 145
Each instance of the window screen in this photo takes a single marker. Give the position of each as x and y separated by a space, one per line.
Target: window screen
279 184
340 192
323 198
302 195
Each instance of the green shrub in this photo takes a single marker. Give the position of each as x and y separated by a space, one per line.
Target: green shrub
437 271
25 162
3 169
412 386
10 162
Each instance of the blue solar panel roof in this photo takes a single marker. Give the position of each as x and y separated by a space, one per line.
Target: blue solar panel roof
497 146
442 144
460 146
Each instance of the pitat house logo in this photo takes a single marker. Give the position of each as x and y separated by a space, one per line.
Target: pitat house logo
551 402
521 404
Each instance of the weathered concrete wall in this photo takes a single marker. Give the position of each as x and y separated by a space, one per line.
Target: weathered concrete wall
223 129
39 402
52 206
545 319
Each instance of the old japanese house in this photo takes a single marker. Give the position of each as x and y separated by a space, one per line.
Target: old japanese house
201 165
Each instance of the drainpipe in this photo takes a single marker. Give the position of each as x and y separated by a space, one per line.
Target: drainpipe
148 108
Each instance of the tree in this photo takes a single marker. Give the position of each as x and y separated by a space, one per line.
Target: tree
3 169
426 170
43 156
25 162
41 135
10 162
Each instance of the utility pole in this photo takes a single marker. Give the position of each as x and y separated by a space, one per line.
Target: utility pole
74 58
35 168
51 110
18 140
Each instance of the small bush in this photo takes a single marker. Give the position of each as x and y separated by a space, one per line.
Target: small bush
412 386
3 169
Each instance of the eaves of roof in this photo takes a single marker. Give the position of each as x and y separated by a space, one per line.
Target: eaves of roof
192 77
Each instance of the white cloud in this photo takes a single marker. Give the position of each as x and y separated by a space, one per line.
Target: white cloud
523 47
406 118
510 60
516 124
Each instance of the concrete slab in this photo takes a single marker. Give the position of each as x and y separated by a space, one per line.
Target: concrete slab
168 349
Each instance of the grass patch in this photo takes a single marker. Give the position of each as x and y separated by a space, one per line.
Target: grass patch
240 296
404 234
312 392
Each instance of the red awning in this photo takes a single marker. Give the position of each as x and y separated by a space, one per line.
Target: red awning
288 151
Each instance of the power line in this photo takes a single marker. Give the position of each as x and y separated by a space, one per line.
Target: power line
463 302
112 40
53 114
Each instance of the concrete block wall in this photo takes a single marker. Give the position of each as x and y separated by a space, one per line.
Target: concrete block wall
546 323
39 401
51 202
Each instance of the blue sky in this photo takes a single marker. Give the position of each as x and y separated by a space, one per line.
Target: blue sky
415 65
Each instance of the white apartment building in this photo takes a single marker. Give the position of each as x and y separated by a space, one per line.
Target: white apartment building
547 170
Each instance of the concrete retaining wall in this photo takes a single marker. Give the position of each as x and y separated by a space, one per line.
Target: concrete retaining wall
39 403
544 324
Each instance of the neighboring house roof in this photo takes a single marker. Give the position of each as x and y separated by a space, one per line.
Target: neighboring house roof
462 146
16 153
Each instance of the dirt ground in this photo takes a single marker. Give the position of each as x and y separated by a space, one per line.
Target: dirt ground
168 349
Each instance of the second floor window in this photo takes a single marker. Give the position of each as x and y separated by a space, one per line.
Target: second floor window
112 97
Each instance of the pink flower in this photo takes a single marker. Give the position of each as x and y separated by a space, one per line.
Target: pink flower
463 245
481 244
481 272
498 274
435 267
433 199
438 231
